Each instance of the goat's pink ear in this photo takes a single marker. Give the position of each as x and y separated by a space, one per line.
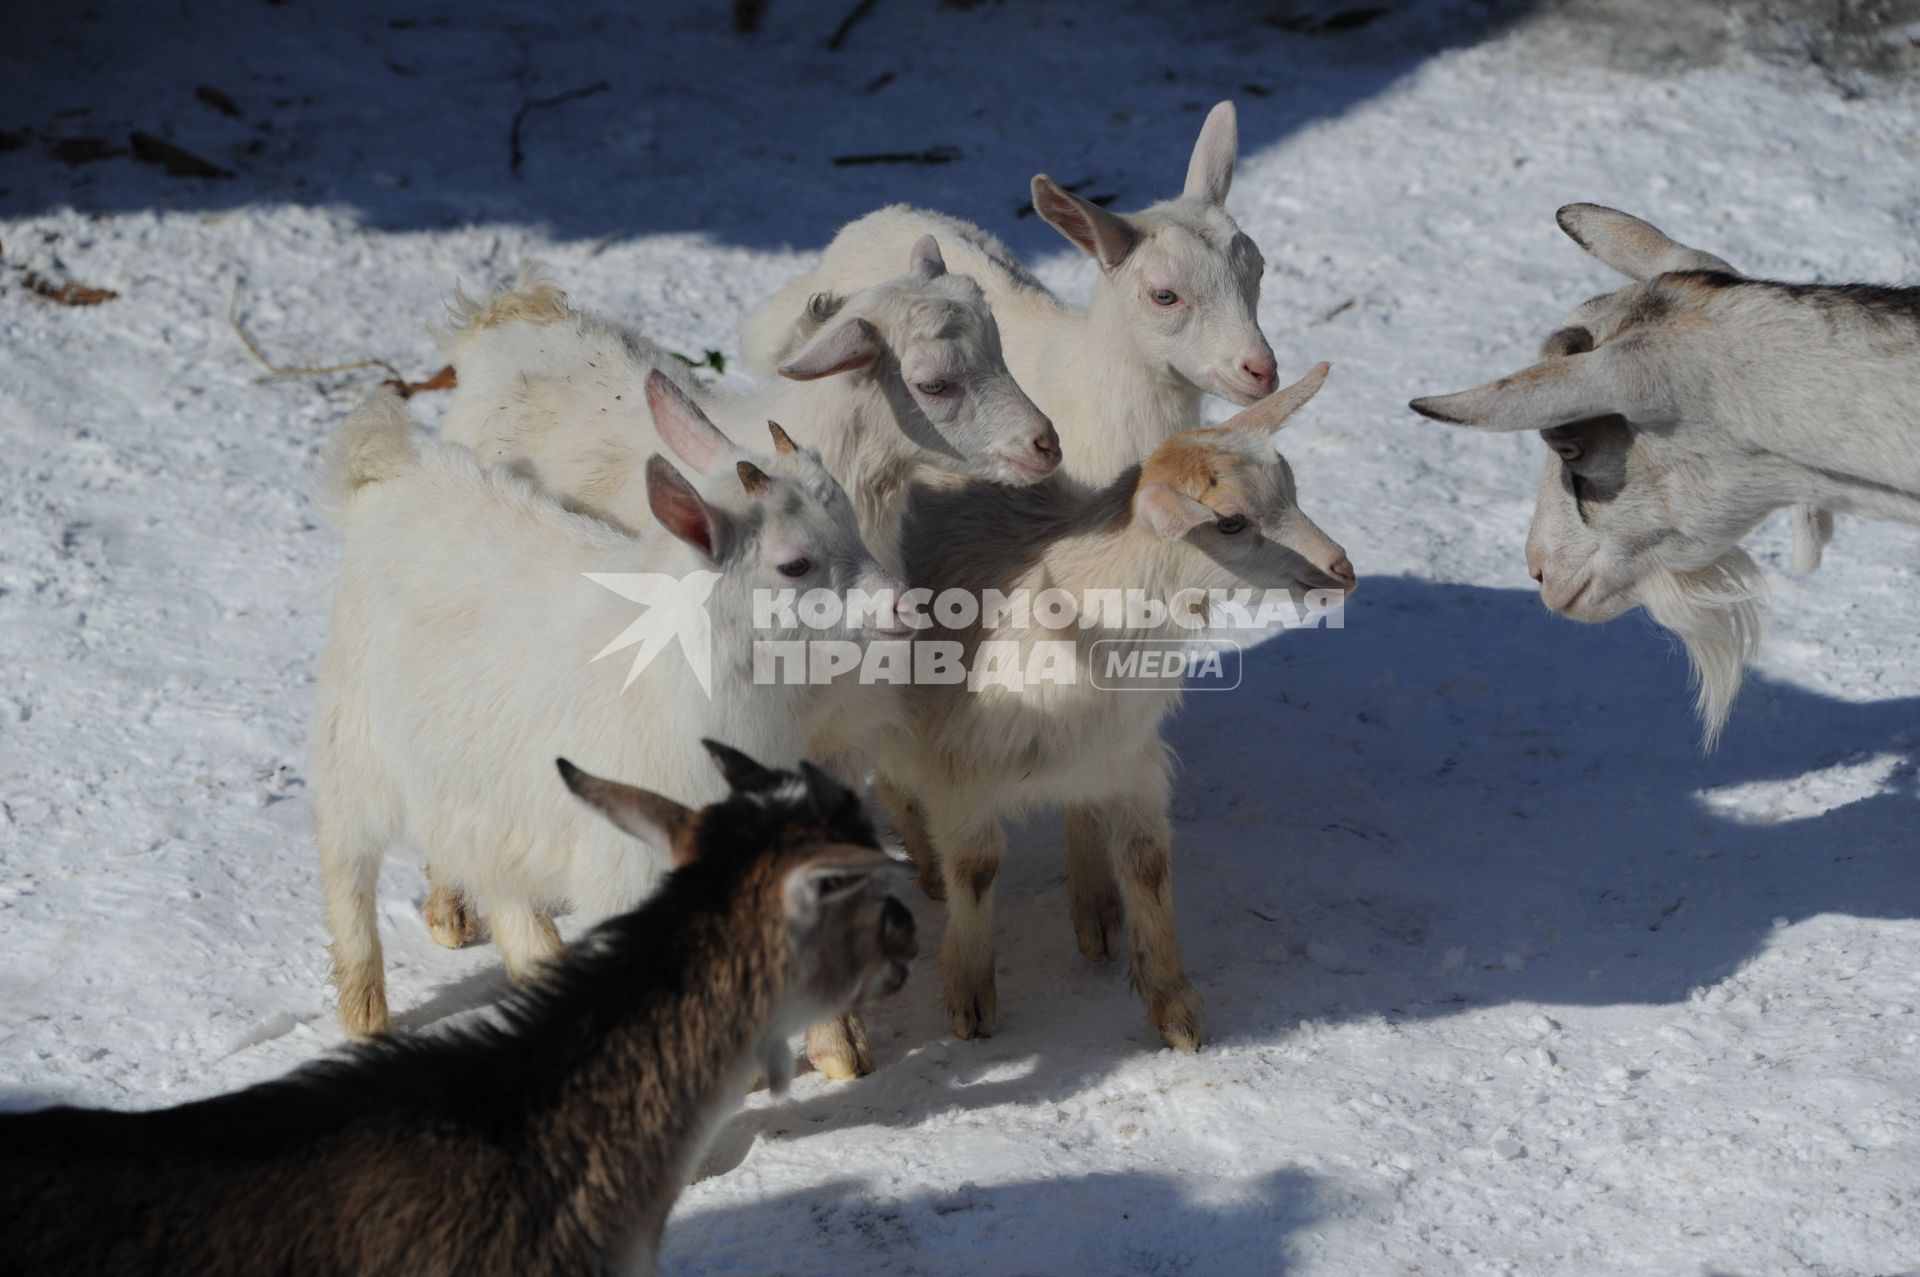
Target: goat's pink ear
926 261
848 345
1210 171
1264 416
642 813
1170 514
1105 237
681 510
683 427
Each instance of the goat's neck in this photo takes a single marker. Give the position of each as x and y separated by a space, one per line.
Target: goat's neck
1102 547
1111 402
862 446
661 1068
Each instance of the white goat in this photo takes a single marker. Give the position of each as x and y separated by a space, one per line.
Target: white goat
1683 409
1211 509
462 659
1174 311
901 376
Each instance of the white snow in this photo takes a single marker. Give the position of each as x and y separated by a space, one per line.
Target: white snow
1502 975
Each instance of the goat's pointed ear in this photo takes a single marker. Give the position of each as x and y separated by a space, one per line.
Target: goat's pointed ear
1170 514
683 427
1105 237
1210 171
1635 248
926 261
832 801
1600 383
1264 416
682 511
834 873
846 346
640 812
743 774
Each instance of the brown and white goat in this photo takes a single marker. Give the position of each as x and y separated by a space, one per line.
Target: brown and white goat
553 1140
1209 510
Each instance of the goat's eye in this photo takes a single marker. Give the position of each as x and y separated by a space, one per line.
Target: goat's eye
797 567
1164 296
938 386
1231 524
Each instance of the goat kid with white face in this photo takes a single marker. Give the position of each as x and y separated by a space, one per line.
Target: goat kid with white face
463 656
903 375
1210 509
1680 411
1174 312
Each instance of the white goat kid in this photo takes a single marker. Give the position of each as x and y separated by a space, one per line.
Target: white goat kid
1680 411
904 375
1211 509
463 656
1174 311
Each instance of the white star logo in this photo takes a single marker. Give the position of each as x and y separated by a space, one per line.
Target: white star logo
676 609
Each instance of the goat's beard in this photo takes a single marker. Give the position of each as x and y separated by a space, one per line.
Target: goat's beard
1716 612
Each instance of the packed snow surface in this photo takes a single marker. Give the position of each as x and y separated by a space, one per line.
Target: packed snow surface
1502 974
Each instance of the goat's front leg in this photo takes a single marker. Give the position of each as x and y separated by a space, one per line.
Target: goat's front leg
910 824
971 844
451 921
1141 843
839 1049
1093 894
525 936
350 879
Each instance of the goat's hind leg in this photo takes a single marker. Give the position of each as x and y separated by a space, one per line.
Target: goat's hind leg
1141 843
451 920
909 821
350 880
971 846
525 936
1093 894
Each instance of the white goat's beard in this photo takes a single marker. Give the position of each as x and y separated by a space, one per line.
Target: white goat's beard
1716 612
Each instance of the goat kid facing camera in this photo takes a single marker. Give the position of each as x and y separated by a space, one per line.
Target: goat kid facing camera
553 1138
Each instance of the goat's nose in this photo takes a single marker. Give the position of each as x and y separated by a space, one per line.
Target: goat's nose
1538 574
1047 443
1261 371
1342 570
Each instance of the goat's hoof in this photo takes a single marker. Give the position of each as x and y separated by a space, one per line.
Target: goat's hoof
1178 1020
1098 930
839 1050
973 1014
363 1010
450 920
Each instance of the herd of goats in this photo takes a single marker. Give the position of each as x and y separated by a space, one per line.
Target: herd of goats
933 418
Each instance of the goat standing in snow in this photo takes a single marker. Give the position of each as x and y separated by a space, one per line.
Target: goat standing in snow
553 1140
1211 509
898 377
1174 310
462 653
1680 411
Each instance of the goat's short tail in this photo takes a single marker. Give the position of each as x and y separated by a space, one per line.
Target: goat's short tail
374 443
533 299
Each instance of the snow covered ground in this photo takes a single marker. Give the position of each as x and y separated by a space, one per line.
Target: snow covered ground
1503 976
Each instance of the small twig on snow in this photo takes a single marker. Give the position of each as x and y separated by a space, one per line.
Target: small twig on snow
514 154
854 17
280 370
942 154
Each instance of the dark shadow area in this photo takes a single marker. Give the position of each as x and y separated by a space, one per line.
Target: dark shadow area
405 115
1105 1223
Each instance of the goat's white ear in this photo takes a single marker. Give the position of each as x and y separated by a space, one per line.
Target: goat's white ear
846 346
834 874
1812 529
1169 513
684 427
681 510
1635 248
1264 416
926 261
1600 383
642 813
1210 171
1105 237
